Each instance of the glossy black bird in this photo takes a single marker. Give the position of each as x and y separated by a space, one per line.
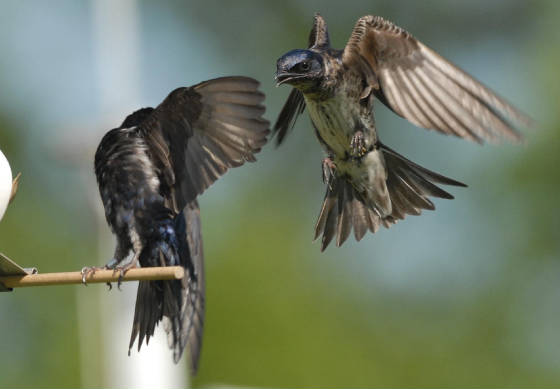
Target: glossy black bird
370 184
150 171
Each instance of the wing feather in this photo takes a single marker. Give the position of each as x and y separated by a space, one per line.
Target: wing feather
293 107
425 88
196 134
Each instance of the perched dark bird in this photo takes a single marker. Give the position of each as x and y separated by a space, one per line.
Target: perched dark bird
150 171
369 184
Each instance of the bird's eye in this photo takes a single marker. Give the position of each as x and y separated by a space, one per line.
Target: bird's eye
305 66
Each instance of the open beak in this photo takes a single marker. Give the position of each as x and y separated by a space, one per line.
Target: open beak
285 77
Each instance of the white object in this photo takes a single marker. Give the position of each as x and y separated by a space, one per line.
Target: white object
5 184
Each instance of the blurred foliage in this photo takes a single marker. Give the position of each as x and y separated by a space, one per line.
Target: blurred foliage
464 296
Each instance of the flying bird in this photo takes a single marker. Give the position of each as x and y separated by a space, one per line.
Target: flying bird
368 183
150 171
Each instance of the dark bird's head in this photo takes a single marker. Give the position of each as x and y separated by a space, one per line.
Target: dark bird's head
303 69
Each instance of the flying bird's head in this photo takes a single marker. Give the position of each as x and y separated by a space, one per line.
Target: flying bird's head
303 69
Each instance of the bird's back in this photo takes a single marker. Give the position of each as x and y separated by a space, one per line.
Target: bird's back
127 178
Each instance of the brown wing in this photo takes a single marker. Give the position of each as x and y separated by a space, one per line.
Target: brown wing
295 105
184 330
426 89
194 308
196 134
319 35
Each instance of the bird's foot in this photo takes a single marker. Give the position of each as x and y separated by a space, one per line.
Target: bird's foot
122 271
328 170
88 271
358 145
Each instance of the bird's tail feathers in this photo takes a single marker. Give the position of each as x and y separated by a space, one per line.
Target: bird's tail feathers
179 304
154 300
409 186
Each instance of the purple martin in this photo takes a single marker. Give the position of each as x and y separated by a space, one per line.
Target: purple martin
150 171
368 183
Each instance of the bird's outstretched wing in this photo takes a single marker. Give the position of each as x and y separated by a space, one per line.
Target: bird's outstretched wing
184 330
421 86
295 105
195 307
197 133
319 35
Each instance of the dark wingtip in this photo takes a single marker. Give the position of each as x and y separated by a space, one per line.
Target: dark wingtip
452 182
293 107
278 139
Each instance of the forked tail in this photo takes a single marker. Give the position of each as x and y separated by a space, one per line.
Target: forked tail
409 186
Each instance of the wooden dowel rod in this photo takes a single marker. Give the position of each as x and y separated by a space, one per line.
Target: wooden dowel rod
139 274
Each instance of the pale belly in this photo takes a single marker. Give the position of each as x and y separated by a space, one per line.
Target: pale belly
336 123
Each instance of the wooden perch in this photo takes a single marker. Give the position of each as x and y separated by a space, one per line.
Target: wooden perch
139 274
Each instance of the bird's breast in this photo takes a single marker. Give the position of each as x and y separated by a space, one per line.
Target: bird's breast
336 120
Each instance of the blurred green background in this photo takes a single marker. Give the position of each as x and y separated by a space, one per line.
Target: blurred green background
468 295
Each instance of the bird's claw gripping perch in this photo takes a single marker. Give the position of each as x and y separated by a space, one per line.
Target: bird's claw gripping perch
122 271
89 271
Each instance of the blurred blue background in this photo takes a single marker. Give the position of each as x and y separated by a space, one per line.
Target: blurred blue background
468 295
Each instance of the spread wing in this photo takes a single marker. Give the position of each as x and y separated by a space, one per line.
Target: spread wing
295 105
185 329
178 303
195 306
421 86
196 134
